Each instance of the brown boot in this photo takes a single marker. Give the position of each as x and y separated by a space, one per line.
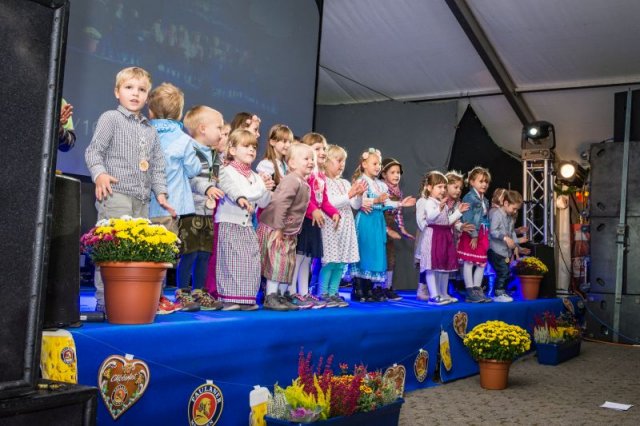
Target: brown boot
422 293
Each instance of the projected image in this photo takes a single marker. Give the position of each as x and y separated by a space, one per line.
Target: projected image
233 55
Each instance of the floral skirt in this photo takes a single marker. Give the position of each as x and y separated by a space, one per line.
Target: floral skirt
477 256
277 261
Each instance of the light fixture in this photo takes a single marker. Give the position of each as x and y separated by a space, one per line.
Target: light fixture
538 140
570 173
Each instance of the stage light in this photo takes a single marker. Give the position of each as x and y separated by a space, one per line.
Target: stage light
538 140
570 173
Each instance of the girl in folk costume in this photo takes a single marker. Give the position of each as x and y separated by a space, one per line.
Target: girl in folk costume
473 245
391 173
339 243
371 227
455 183
279 225
273 164
310 238
437 250
237 273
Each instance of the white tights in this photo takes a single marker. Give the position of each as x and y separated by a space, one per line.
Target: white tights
301 275
472 278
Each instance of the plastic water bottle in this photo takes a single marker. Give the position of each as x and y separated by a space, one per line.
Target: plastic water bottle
258 399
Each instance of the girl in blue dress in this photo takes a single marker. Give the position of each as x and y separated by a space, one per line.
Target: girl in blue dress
371 226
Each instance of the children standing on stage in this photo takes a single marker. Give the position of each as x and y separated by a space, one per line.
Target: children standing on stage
280 223
166 103
204 124
237 272
437 250
391 173
371 227
274 164
503 240
339 244
310 238
125 158
473 245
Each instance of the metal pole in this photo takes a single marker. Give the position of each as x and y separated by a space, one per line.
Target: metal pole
621 230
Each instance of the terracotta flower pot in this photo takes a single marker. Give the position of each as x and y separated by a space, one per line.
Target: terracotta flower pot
494 374
132 290
530 286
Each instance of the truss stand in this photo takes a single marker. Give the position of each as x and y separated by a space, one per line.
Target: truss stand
537 184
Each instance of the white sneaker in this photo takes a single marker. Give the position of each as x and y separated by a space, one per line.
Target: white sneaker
449 298
437 301
504 298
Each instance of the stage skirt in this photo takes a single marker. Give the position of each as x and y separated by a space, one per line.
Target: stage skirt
277 262
237 272
438 252
309 240
372 239
477 256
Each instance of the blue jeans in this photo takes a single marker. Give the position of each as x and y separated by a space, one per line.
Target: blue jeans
193 264
503 273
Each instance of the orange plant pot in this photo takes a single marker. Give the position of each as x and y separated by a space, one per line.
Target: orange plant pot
494 374
530 286
132 290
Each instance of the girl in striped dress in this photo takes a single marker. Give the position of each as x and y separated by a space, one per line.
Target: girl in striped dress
237 273
280 223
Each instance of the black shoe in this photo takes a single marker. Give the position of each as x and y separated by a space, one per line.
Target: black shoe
378 295
367 290
357 294
392 295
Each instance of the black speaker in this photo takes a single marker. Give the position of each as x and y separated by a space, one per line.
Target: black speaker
604 255
620 113
56 404
600 317
606 178
547 255
32 51
62 301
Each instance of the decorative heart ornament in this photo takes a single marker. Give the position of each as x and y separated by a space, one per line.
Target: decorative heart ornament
397 375
460 321
122 381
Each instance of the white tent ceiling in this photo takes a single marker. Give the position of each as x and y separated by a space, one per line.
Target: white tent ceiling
566 57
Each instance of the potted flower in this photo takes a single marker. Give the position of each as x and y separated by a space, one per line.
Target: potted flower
530 270
133 256
317 395
557 337
495 344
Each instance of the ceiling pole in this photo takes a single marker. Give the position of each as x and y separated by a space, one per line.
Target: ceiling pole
483 46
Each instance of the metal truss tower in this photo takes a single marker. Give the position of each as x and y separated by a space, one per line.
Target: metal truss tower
537 180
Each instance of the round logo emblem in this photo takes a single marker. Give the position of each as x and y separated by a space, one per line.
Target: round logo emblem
68 355
205 405
421 365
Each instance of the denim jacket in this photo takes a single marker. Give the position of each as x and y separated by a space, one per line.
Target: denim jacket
478 213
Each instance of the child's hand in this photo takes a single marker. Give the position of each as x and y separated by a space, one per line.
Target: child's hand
358 188
243 203
463 207
406 234
474 243
510 243
393 234
278 237
522 230
367 205
468 227
523 240
525 251
268 182
214 192
408 201
336 220
381 199
162 200
317 218
65 114
103 186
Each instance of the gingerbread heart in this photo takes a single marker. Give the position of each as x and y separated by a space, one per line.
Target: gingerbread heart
397 375
460 321
122 382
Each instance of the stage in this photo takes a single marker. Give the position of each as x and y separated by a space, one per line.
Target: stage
237 350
